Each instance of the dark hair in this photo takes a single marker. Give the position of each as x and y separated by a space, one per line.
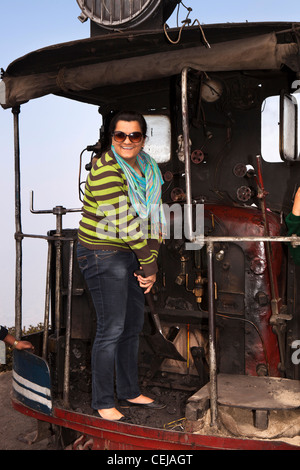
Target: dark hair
128 116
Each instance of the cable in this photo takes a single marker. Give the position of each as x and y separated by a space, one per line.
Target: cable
186 22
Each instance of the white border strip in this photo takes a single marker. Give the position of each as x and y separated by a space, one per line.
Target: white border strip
32 396
31 385
19 384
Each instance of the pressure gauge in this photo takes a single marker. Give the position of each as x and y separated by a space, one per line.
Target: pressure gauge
211 90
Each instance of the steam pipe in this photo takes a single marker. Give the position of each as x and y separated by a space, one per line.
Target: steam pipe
58 273
47 301
68 328
18 226
212 338
186 149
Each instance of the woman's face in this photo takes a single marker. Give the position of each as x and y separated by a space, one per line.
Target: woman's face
127 149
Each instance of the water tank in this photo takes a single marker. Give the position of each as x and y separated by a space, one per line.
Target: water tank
120 15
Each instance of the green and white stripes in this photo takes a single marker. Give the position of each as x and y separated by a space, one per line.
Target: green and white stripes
109 220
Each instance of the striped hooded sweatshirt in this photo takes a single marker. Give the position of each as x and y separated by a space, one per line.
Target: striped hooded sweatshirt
109 221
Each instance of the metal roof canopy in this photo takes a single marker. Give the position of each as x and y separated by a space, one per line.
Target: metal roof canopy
81 69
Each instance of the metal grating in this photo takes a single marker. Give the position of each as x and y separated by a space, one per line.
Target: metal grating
111 13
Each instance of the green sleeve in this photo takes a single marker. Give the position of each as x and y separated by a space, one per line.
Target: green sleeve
293 226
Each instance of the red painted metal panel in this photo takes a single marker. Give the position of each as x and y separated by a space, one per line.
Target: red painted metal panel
247 221
121 436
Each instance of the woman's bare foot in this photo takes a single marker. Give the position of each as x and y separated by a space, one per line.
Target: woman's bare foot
111 414
141 399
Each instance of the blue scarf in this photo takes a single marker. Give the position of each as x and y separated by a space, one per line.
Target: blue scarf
145 192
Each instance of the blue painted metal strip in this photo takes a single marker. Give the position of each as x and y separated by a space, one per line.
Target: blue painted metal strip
32 382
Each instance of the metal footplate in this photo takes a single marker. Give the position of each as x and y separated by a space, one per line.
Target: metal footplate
259 394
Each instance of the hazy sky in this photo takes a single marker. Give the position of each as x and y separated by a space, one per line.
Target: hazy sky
54 131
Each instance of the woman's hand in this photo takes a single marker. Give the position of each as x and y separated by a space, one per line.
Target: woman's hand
146 282
296 206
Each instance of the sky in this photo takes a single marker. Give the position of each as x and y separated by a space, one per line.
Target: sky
54 131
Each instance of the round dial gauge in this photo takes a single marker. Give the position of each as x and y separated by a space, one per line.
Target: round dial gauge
211 90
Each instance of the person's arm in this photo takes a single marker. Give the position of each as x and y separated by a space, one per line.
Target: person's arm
293 225
11 341
147 282
296 205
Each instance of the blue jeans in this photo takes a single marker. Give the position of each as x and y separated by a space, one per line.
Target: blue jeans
119 304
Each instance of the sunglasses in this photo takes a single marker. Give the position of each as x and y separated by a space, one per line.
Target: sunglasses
134 137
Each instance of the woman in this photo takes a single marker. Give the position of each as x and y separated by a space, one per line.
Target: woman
122 191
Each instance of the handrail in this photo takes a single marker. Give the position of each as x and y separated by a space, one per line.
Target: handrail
294 240
57 210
